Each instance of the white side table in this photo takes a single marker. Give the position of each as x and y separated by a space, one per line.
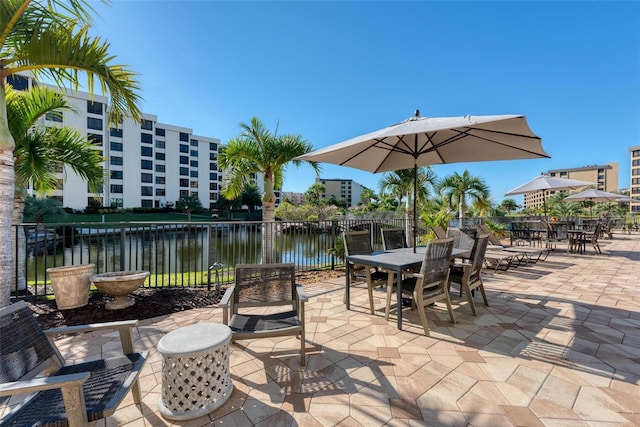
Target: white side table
195 370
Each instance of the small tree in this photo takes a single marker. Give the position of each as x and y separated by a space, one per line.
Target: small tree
251 197
190 203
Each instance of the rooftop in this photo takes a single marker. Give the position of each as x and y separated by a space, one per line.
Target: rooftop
559 345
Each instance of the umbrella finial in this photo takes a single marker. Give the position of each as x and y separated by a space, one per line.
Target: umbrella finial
417 113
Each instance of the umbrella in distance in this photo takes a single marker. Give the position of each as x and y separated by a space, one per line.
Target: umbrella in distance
422 141
592 195
544 183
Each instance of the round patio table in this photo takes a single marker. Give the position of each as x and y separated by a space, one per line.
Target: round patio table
195 370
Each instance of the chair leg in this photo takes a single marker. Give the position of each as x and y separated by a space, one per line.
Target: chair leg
447 300
135 391
472 304
484 295
370 291
388 305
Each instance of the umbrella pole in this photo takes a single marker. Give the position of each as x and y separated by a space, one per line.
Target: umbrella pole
415 209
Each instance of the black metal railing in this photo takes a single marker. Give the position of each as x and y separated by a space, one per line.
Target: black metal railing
177 254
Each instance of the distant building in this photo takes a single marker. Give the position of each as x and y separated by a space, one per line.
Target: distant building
346 189
634 188
147 163
604 177
294 198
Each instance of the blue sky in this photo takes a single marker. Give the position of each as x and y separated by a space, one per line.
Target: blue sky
334 70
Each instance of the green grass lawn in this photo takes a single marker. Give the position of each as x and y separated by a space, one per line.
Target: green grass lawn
125 217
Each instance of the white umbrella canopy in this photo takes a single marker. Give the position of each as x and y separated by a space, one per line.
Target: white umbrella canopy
592 195
544 183
426 141
422 141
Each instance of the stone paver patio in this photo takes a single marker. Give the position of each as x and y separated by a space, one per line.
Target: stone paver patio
558 346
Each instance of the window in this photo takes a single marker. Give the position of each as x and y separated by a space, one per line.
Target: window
213 176
194 143
116 132
146 177
160 180
213 146
146 164
184 160
146 124
18 82
193 184
193 153
194 163
184 171
193 174
160 168
184 148
160 144
213 156
116 203
160 192
184 193
116 188
116 174
53 116
146 151
95 139
213 186
147 138
94 107
160 156
213 166
160 132
184 137
93 123
94 201
116 161
146 191
184 182
146 203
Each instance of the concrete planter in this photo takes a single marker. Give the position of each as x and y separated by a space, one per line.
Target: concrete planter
71 285
119 285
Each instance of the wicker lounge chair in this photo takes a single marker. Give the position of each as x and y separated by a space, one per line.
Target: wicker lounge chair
265 285
72 395
530 254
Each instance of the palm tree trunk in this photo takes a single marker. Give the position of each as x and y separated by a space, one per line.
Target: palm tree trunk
7 186
18 241
268 221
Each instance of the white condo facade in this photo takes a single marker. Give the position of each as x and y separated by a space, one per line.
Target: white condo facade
147 163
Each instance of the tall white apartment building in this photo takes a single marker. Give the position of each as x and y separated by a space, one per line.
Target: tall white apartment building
147 163
634 189
346 189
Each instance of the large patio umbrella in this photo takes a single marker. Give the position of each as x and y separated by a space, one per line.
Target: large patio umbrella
592 195
544 183
421 141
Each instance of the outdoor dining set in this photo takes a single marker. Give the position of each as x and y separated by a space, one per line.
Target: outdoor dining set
424 274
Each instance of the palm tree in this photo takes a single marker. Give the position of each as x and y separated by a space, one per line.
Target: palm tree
509 205
456 188
40 150
51 37
400 184
257 150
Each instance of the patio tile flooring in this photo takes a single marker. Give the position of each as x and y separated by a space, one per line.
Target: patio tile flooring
558 346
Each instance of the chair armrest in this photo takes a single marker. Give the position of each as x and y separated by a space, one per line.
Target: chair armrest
302 295
123 327
413 276
47 383
225 302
